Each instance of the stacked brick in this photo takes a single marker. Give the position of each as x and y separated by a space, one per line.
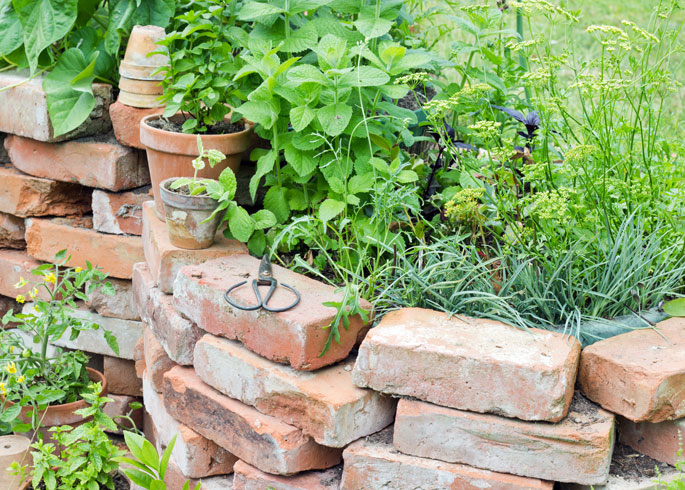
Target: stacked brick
83 192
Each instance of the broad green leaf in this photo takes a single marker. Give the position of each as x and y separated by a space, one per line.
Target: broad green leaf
121 14
157 485
334 118
391 53
306 73
297 6
394 91
302 162
307 141
410 61
254 10
361 183
296 200
331 51
301 116
675 307
301 39
155 12
329 209
364 76
370 25
240 223
228 182
276 202
265 165
380 165
261 112
257 243
264 219
69 90
10 27
407 176
44 22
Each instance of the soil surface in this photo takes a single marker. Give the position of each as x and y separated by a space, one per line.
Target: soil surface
183 190
175 126
120 483
631 465
409 100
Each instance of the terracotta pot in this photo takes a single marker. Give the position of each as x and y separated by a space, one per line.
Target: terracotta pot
13 449
143 94
56 415
185 218
171 154
137 65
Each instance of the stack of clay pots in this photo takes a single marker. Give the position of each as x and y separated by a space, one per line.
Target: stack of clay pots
13 449
140 83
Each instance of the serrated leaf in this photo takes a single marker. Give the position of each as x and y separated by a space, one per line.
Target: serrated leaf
371 26
301 39
296 200
265 164
276 202
228 182
361 183
240 223
257 243
364 76
407 176
261 112
254 10
307 141
302 162
264 219
330 208
334 118
306 73
301 116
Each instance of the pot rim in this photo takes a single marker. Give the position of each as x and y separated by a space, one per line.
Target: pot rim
184 201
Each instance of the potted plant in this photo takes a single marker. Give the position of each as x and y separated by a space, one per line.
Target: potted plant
43 388
83 457
198 89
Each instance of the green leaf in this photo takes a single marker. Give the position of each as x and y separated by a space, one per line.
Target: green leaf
228 182
257 243
306 73
364 76
370 25
300 117
111 341
329 209
10 27
264 219
296 200
44 22
240 223
675 307
254 10
261 112
407 176
302 162
334 118
360 183
301 39
155 12
265 164
275 201
69 90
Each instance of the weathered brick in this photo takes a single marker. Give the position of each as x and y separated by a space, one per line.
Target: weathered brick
165 260
195 455
471 364
139 354
94 162
126 332
114 254
660 441
119 305
24 109
639 375
176 334
12 231
577 449
325 404
374 464
24 195
260 440
296 337
157 362
120 213
121 406
248 477
126 123
15 264
121 376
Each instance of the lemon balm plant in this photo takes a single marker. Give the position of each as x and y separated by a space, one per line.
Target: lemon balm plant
41 377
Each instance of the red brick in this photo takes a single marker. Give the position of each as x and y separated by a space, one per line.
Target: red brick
260 440
114 254
176 334
195 455
165 260
471 364
296 337
248 477
139 354
121 377
374 464
157 361
120 305
576 450
126 123
93 162
15 264
639 375
660 441
120 213
24 195
325 404
24 109
121 406
12 231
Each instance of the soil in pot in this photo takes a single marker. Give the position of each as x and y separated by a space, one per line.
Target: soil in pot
175 126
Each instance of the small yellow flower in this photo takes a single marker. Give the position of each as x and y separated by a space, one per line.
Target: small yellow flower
21 298
21 379
78 269
50 278
11 349
3 390
33 293
11 368
21 283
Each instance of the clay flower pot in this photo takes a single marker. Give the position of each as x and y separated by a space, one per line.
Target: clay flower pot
140 76
13 448
56 415
140 93
185 216
171 154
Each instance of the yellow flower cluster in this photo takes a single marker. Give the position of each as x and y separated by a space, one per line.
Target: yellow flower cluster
543 6
413 79
463 207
